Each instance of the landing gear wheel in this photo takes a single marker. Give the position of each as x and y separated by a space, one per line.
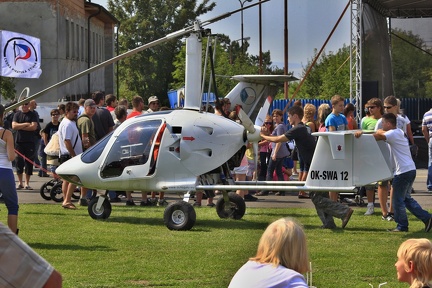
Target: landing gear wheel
45 190
103 212
56 193
236 208
179 215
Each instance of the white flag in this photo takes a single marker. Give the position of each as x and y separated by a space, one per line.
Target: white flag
20 55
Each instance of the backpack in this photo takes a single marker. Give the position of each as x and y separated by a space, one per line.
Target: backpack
53 146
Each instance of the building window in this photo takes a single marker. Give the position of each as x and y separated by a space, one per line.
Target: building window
82 48
67 40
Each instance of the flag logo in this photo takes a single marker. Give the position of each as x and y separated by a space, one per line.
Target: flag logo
20 55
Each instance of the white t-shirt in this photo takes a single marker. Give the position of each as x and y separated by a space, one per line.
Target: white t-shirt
68 131
400 151
257 275
401 123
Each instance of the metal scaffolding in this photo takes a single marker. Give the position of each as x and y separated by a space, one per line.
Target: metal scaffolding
355 59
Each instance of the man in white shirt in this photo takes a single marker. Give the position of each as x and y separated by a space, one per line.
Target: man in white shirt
404 175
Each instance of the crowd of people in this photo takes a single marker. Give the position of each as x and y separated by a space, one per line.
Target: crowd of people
282 255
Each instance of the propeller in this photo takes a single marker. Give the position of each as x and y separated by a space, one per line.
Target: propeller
253 134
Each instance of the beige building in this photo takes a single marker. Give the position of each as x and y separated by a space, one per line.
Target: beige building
74 34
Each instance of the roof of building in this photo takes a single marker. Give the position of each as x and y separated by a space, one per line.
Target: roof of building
104 14
402 8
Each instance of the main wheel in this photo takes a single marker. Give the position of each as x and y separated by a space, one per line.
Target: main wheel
179 215
45 190
56 192
103 212
235 209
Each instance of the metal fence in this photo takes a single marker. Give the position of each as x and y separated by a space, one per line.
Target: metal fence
413 108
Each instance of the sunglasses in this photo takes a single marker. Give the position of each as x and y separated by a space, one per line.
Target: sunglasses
268 123
388 107
54 114
25 104
371 107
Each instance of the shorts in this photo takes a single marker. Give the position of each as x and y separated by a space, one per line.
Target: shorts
288 163
240 170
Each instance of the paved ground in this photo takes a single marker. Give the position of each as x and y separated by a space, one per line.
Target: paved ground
290 200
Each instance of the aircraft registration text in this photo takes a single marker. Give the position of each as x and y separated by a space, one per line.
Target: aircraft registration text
329 175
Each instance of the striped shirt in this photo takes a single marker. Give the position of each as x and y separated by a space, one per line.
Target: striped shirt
427 121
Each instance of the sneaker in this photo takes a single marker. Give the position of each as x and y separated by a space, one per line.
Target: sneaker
369 211
388 217
83 202
428 225
396 230
145 203
347 218
162 202
196 204
153 201
249 197
130 203
211 204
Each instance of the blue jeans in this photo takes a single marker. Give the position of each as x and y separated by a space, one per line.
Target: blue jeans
402 185
429 176
275 165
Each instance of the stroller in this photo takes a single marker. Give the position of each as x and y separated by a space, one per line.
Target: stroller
52 190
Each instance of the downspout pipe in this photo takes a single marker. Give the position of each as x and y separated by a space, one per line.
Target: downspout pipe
89 47
118 63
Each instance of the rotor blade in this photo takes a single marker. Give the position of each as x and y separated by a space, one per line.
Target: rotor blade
245 120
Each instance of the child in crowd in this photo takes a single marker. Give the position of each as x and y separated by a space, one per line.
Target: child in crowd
414 264
281 258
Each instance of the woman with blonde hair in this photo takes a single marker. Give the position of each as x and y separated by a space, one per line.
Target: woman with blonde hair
414 264
323 111
281 258
309 117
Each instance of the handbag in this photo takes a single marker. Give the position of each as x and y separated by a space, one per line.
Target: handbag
53 146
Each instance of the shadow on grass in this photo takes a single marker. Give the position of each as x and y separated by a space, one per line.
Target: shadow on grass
50 246
200 224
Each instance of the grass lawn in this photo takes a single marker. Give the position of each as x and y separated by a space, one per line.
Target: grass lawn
133 248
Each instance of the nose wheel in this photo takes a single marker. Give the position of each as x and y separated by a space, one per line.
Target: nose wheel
99 208
179 215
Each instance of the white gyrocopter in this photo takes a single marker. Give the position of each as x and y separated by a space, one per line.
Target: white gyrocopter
188 149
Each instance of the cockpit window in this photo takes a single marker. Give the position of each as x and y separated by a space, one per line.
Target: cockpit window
132 147
93 153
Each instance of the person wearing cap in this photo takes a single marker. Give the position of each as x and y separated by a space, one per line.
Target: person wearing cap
88 136
153 103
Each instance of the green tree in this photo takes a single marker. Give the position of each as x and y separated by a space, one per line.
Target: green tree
329 76
7 88
229 61
412 73
150 71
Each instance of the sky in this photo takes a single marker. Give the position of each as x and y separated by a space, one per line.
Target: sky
309 24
